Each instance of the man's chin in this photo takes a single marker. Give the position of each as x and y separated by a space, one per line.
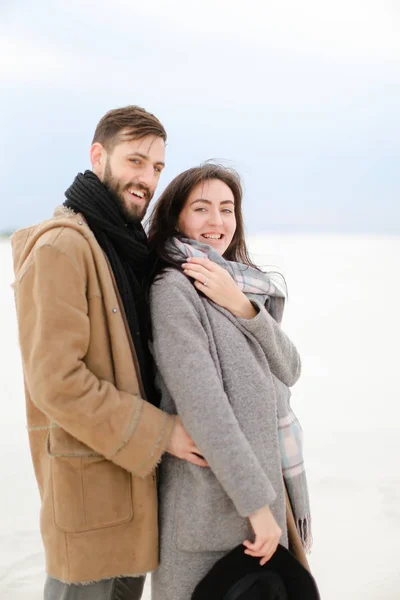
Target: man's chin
135 216
132 213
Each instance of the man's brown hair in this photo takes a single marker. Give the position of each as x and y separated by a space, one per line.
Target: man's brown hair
129 123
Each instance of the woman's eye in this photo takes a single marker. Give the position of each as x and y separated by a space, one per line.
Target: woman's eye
135 160
227 210
200 209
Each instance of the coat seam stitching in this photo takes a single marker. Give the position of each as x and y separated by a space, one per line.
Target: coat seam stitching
83 493
42 427
156 445
131 429
73 261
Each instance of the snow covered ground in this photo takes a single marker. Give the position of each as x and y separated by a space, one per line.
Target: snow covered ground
343 314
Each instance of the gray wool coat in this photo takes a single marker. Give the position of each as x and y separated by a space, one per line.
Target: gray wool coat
221 374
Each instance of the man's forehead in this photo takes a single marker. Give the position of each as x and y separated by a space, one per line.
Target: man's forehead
145 145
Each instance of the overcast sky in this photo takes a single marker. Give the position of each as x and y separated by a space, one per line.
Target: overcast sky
301 97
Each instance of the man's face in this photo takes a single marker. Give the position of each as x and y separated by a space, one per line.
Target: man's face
131 171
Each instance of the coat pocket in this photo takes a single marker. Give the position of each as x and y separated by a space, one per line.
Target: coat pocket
89 492
205 517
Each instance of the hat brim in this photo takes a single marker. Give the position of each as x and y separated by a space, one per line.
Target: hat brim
299 583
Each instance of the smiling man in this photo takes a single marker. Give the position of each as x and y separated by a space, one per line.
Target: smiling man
96 432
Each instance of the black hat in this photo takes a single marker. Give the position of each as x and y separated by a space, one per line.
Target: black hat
238 576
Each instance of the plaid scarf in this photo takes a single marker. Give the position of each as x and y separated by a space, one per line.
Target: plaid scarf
258 285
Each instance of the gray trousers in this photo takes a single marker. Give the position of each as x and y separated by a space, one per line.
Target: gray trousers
120 588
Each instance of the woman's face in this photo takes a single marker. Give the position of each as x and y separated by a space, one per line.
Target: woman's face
208 215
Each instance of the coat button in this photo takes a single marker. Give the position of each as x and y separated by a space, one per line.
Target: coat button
114 310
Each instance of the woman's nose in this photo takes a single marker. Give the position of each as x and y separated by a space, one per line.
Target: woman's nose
215 218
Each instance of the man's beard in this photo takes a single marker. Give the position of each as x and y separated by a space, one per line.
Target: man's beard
132 213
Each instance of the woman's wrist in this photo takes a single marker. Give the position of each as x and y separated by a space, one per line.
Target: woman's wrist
245 309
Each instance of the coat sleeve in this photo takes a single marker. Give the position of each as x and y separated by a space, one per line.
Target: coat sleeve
54 335
182 355
281 353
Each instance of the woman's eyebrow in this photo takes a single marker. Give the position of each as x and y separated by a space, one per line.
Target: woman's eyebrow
201 200
209 201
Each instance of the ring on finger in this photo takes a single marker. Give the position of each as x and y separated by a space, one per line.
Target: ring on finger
205 282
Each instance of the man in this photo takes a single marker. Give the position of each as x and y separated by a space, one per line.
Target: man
96 433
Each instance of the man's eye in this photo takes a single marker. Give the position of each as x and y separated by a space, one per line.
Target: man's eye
135 160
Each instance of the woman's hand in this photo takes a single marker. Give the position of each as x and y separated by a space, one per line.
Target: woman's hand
217 284
267 535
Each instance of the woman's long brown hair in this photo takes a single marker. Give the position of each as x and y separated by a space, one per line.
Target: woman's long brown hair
163 221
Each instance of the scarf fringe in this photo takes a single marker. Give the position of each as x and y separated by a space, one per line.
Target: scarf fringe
305 533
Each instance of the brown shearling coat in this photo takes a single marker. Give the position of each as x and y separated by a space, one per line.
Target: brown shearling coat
94 441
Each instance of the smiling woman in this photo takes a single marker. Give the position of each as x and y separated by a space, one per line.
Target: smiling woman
204 203
209 214
224 366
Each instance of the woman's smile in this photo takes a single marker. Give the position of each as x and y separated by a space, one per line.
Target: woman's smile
208 215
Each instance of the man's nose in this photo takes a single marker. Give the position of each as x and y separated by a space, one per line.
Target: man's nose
147 177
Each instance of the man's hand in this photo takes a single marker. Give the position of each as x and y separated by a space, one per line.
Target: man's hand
182 446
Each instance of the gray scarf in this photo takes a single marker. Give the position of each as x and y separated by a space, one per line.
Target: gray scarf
257 285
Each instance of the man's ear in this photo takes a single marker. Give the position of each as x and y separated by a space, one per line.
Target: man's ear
97 158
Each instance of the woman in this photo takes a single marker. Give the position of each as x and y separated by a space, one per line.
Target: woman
224 366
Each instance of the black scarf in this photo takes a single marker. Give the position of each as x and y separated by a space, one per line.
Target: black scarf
125 245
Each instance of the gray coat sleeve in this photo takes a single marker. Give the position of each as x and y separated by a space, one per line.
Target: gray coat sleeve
283 358
181 352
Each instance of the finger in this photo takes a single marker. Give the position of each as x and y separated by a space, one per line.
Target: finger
260 552
249 545
267 556
197 275
266 547
201 275
197 268
196 452
194 459
267 550
256 545
203 288
206 263
193 448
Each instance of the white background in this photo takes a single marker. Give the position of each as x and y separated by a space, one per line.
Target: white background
343 314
